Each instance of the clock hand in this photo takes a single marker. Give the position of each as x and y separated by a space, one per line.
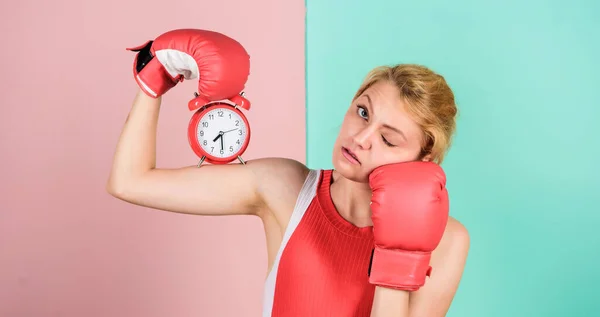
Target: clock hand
221 142
230 130
218 136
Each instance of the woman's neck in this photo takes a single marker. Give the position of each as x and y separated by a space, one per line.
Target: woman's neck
352 200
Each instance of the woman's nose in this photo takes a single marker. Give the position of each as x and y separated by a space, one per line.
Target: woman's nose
363 137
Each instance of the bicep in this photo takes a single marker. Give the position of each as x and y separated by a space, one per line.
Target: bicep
448 262
206 190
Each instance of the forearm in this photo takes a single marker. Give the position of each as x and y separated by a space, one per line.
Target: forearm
135 153
390 303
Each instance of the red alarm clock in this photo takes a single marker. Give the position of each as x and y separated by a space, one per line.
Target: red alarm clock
219 131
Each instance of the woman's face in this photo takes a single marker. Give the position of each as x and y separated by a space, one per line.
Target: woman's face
376 131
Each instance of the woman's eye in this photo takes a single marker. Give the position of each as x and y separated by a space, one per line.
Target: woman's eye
386 142
362 112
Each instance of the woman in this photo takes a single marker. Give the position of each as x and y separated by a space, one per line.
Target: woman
317 222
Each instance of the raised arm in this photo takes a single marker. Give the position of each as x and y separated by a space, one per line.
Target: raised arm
221 65
208 190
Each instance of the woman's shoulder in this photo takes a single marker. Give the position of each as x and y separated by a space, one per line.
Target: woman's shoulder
280 170
279 181
458 229
455 241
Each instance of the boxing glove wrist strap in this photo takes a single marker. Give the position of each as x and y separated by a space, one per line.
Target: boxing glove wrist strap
157 85
399 269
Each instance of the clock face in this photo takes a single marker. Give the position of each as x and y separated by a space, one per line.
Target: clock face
221 132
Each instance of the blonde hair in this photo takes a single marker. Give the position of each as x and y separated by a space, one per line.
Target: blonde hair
429 100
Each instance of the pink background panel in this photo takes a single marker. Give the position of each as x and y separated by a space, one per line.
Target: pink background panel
67 248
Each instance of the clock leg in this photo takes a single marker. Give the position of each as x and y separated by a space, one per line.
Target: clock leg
241 160
201 161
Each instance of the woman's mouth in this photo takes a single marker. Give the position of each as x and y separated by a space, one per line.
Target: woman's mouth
351 157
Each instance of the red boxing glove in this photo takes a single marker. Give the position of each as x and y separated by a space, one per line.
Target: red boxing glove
220 64
409 209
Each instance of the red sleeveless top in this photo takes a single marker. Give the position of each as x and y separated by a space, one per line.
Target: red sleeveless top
322 266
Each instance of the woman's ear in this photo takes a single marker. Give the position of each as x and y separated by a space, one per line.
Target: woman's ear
426 158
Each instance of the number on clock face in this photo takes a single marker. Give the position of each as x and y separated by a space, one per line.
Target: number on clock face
221 132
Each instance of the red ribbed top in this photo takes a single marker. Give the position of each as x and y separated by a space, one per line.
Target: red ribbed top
323 268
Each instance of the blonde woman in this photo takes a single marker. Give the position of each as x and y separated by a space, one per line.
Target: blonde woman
370 237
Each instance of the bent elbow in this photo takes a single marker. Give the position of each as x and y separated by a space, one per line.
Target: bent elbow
115 188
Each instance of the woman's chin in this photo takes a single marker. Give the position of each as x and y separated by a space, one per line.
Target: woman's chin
350 171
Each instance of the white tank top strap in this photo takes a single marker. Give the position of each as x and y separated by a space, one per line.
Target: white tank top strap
305 197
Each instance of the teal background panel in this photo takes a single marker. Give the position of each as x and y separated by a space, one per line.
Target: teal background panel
522 173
